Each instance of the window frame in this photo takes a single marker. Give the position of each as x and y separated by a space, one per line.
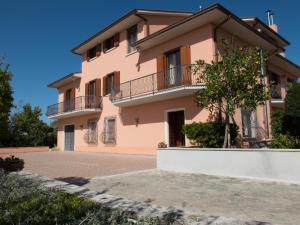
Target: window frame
94 49
110 83
95 135
106 140
130 30
111 41
254 116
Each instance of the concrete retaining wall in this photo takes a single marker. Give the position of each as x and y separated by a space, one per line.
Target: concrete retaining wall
24 149
278 165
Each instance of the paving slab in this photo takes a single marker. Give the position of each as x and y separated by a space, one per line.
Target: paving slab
79 167
244 199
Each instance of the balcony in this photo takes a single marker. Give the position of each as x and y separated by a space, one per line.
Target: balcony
276 95
75 107
175 82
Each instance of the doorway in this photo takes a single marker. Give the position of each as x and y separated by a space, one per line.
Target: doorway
175 121
69 137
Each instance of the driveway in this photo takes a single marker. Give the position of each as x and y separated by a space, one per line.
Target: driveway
79 167
242 199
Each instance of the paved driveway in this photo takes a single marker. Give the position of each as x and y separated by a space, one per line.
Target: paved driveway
242 199
79 167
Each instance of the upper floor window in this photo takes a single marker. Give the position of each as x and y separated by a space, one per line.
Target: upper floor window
110 83
92 52
132 37
111 42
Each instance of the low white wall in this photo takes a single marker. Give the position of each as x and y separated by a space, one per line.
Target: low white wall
278 165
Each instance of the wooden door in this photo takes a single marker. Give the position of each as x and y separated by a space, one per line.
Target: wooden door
176 121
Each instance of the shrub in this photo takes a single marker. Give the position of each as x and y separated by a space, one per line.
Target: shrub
284 141
25 201
209 135
162 145
276 122
11 164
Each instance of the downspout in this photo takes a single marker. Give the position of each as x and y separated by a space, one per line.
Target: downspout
146 23
216 58
263 74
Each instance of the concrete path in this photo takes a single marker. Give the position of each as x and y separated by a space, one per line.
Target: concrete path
242 199
79 167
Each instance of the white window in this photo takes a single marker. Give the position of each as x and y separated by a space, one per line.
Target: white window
92 132
132 37
249 123
110 130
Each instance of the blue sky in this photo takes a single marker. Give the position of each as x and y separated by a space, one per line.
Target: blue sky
36 36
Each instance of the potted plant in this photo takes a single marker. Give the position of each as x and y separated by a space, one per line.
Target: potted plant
11 164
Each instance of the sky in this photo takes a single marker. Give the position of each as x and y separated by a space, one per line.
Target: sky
36 36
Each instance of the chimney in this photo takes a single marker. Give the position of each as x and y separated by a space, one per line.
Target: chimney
271 23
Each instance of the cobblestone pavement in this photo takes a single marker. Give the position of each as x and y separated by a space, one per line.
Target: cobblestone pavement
79 167
243 199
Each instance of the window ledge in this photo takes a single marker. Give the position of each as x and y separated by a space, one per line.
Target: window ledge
131 53
109 50
92 59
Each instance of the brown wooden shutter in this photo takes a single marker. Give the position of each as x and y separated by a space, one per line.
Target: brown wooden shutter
86 56
98 93
104 85
116 39
72 103
161 67
104 46
98 50
86 98
185 57
117 81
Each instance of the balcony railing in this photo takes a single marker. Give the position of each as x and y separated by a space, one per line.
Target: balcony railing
276 92
175 77
77 104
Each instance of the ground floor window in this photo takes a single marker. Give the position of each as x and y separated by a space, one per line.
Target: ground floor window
249 123
110 130
92 136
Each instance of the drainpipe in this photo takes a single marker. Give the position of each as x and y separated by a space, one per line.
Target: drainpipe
216 58
146 23
264 74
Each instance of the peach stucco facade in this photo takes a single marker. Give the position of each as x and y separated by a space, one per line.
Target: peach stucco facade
140 127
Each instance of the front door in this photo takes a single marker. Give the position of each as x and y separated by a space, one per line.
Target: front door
173 77
69 138
176 121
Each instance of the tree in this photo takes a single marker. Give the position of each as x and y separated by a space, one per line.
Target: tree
231 83
6 102
28 128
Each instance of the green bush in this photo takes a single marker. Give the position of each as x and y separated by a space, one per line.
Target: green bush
284 141
25 201
276 122
209 135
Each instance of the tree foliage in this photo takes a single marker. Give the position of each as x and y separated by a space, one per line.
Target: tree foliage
28 128
6 102
233 82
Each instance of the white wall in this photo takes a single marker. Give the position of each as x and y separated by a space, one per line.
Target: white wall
251 163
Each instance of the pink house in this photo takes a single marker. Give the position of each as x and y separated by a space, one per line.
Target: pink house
135 89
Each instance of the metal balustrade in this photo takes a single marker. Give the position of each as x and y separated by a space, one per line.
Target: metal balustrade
76 104
176 76
276 92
